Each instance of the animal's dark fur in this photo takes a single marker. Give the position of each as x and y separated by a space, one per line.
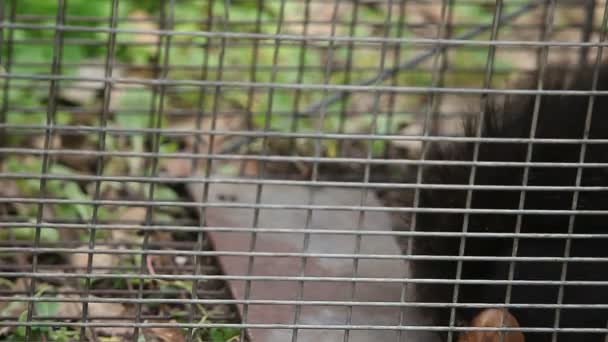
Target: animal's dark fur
560 116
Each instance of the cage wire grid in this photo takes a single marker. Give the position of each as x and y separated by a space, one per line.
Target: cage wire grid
235 170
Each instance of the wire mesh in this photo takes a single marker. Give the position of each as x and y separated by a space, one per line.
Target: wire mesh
223 170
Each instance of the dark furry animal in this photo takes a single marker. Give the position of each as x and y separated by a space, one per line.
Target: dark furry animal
559 116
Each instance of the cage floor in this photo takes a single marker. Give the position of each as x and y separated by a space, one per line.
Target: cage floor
297 306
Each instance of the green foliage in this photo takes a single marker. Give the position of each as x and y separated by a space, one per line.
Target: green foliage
84 8
49 10
191 51
42 333
33 119
165 193
223 334
13 118
48 309
47 235
131 101
64 189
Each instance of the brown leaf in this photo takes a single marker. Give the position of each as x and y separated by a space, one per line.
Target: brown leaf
125 236
8 189
38 142
11 309
164 334
101 262
184 167
85 92
423 18
107 309
447 127
69 309
142 21
177 167
134 214
74 309
249 167
323 13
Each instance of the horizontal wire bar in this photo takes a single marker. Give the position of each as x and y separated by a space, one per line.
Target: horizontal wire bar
177 252
279 158
185 277
305 86
295 230
286 182
168 132
293 326
461 3
452 42
265 68
159 203
294 42
127 300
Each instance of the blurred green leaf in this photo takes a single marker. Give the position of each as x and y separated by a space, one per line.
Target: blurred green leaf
48 309
228 169
37 118
168 147
59 188
223 334
63 334
85 8
72 191
165 193
133 111
47 235
20 330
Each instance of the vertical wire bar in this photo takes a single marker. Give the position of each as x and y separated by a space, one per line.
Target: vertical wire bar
201 102
201 99
5 61
350 47
51 110
443 66
367 169
438 99
99 168
6 45
487 83
405 287
262 164
587 31
546 30
3 5
295 118
5 86
156 114
579 172
315 167
396 58
253 69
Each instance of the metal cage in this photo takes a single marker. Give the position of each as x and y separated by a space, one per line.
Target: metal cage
219 170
